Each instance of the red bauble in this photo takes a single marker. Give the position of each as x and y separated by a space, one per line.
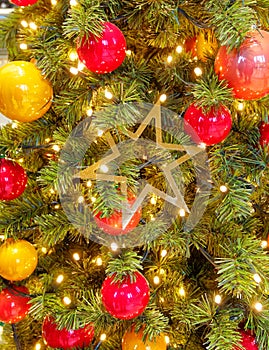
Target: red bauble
248 341
246 69
13 179
113 224
190 45
105 54
210 128
66 339
14 304
23 2
125 300
264 134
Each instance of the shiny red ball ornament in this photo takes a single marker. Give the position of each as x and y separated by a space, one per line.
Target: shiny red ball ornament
125 299
248 341
13 179
246 69
66 339
264 134
23 2
190 45
103 54
14 304
208 128
112 225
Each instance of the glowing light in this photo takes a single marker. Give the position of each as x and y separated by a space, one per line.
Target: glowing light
60 279
223 188
153 200
67 300
264 244
100 132
21 160
89 112
57 206
163 253
24 23
2 237
23 46
14 125
162 271
152 217
76 256
104 168
179 49
114 247
81 66
198 71
182 292
73 70
169 59
218 299
166 338
93 199
99 261
33 26
37 346
47 140
108 95
56 148
80 199
52 191
73 56
128 52
182 212
53 2
257 278
103 337
156 280
44 250
89 183
258 306
73 3
163 98
240 106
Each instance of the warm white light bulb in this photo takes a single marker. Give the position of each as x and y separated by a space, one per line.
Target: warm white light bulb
81 66
73 56
198 71
179 49
218 299
182 292
33 26
103 337
89 112
258 306
53 2
81 199
99 261
56 148
21 160
163 253
240 106
108 95
100 132
182 212
264 244
93 199
67 300
257 278
76 256
89 183
14 125
73 70
153 200
128 52
166 338
114 247
223 188
37 346
156 280
163 98
44 250
60 279
73 3
169 59
24 23
104 168
23 46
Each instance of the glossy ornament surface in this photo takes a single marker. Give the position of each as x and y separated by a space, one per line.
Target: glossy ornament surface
125 300
27 96
190 45
66 339
210 128
103 54
246 69
248 341
13 179
113 224
264 134
18 259
14 304
23 2
133 341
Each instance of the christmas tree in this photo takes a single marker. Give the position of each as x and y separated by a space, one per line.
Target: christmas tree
134 175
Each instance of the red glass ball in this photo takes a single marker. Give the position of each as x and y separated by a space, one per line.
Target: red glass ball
105 54
23 2
66 339
113 224
248 341
210 128
264 134
246 69
14 304
125 300
190 45
13 179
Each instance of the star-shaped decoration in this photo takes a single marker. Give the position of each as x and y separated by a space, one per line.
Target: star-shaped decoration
177 199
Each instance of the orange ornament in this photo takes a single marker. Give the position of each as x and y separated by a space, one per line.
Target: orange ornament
24 94
133 341
18 259
206 45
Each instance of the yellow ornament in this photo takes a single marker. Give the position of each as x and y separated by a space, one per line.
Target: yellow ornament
24 94
133 341
18 259
206 45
